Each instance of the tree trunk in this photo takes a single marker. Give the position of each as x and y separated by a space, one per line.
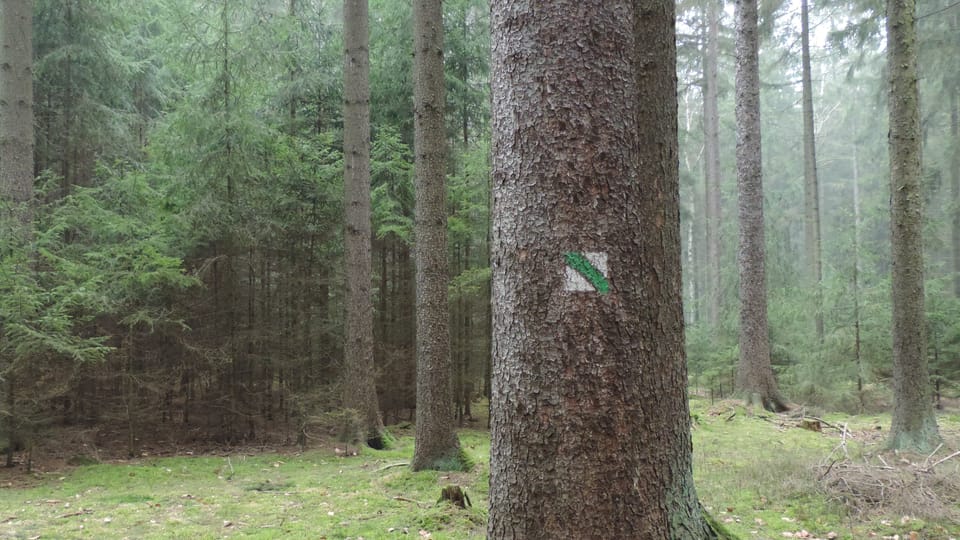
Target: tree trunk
16 162
16 110
914 425
954 159
359 384
811 186
589 380
857 348
436 444
711 127
754 374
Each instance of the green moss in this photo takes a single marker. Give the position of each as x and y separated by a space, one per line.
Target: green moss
721 532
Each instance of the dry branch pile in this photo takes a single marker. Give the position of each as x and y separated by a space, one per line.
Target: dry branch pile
900 484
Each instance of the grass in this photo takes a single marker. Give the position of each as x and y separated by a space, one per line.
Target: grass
316 494
757 474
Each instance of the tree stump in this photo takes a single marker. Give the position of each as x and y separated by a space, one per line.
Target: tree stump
456 495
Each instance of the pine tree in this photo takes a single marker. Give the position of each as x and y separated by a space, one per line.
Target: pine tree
437 445
359 385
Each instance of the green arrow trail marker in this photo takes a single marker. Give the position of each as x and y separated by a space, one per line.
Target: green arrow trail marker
586 272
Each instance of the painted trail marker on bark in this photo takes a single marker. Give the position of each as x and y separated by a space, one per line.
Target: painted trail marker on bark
586 272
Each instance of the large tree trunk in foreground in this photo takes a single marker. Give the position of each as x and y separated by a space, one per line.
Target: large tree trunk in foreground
914 424
359 384
436 443
590 425
754 374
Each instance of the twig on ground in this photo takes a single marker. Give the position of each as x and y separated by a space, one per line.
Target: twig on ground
826 472
843 440
392 465
951 456
935 450
404 499
81 512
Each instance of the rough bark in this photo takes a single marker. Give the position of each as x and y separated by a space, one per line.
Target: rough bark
711 127
16 109
359 384
590 425
914 425
811 185
755 378
436 443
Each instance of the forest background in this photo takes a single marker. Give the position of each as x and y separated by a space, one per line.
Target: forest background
189 279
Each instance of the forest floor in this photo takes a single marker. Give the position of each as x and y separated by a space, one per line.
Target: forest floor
764 476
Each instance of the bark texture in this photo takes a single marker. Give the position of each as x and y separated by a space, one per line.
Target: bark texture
811 185
754 374
436 446
16 109
359 383
711 128
590 425
914 425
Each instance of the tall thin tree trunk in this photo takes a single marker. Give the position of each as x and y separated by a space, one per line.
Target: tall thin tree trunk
856 277
16 163
754 373
436 443
914 424
359 385
954 159
711 126
811 186
16 110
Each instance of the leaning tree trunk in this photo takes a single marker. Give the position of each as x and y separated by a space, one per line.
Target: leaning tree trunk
590 425
436 444
754 374
359 384
914 425
811 186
